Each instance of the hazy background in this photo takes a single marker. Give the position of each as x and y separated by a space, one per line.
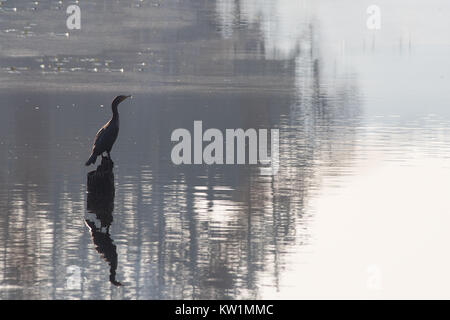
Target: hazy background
357 210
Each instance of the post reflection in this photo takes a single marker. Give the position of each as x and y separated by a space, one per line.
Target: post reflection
100 202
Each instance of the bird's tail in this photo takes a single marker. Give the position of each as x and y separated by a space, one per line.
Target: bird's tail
91 160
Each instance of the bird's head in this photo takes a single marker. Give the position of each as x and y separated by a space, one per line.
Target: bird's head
119 99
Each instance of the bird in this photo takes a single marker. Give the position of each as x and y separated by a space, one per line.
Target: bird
107 135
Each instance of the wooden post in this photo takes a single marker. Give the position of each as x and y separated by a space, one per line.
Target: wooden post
100 182
100 201
101 192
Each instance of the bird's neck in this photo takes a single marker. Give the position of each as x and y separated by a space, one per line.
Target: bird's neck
115 111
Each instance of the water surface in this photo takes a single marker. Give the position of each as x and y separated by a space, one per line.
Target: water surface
357 209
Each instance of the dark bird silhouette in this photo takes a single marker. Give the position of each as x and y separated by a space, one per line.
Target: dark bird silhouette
107 135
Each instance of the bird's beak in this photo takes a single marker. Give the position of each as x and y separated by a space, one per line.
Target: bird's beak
125 97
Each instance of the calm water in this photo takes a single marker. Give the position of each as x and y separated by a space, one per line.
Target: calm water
358 208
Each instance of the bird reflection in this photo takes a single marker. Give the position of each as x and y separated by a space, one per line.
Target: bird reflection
100 201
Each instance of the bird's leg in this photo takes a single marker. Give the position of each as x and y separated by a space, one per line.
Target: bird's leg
109 158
